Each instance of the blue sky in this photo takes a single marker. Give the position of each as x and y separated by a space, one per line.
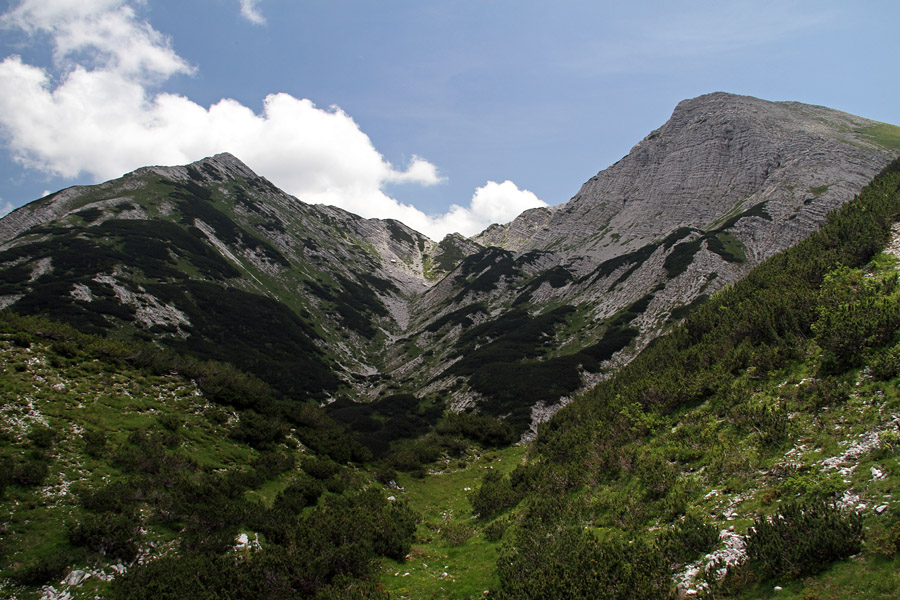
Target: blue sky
445 114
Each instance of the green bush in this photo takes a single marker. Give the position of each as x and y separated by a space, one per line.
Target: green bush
855 312
109 534
495 495
493 531
300 494
41 436
486 430
455 533
94 442
41 571
689 538
31 469
803 539
574 564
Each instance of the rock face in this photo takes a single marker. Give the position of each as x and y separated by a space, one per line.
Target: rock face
719 155
212 259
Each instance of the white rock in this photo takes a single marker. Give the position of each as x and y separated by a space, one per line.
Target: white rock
75 577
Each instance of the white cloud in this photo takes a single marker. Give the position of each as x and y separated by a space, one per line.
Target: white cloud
492 203
105 34
250 11
99 117
5 207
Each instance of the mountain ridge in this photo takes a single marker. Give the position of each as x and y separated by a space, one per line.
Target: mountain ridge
376 308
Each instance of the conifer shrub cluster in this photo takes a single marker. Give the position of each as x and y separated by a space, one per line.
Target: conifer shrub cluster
803 539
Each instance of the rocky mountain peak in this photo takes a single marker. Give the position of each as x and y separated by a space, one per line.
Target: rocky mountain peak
213 258
718 154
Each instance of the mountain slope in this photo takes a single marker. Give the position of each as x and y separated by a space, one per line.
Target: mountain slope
213 260
725 183
751 452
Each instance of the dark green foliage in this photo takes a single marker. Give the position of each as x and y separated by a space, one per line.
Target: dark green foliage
256 333
461 317
257 430
320 468
40 570
112 535
803 539
688 538
398 232
613 341
758 211
89 214
681 312
323 554
632 260
448 254
656 473
678 261
493 531
170 421
31 468
557 277
486 430
303 492
355 303
855 312
481 272
502 366
395 417
886 363
495 495
41 436
15 274
558 562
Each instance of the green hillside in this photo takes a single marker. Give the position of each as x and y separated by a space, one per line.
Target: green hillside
750 453
773 410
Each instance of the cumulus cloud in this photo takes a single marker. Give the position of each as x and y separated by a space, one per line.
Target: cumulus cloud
250 11
492 203
104 33
5 207
97 114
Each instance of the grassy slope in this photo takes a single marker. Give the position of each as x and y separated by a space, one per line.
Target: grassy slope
58 385
441 499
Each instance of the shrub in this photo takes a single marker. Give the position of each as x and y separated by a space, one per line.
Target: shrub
94 442
494 531
803 539
41 436
574 564
39 571
455 533
495 495
32 469
109 534
300 494
688 538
